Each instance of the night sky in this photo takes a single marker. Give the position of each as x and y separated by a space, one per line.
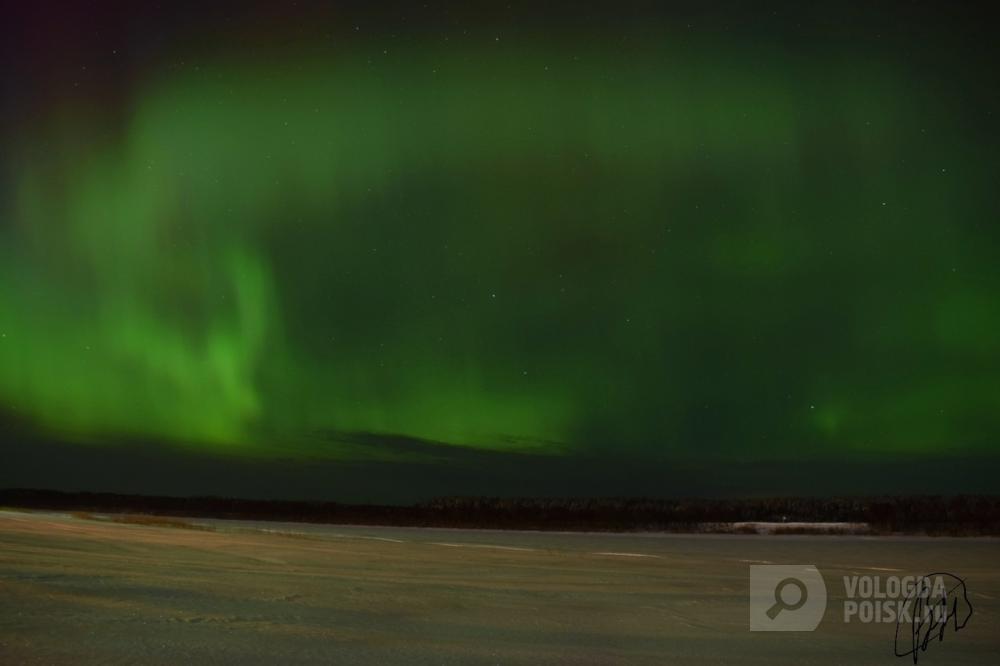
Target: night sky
384 255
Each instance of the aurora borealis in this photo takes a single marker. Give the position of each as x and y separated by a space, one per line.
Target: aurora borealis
403 237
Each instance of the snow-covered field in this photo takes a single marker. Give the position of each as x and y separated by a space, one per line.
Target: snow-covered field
76 590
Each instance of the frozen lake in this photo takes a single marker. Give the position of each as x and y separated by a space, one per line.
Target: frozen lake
75 590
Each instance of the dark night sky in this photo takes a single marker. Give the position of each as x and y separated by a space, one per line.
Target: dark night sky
388 254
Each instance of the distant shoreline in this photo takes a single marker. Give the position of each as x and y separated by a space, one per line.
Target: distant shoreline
960 515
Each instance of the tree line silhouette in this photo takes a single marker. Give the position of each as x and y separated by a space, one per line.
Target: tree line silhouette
958 514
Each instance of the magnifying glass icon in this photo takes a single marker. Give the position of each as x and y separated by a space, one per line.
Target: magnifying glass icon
780 603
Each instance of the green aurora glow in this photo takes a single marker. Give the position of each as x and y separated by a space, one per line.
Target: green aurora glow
677 253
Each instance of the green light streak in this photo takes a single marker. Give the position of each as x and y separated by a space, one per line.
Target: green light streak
662 254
